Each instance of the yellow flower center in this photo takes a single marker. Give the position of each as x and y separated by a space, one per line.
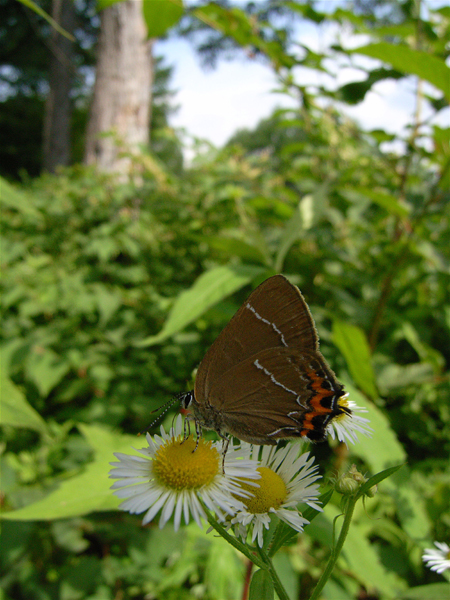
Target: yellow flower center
178 467
343 403
272 492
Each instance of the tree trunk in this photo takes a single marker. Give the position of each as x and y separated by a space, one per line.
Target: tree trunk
58 106
122 91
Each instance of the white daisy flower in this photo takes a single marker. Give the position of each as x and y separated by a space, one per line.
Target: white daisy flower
437 560
345 426
286 480
175 477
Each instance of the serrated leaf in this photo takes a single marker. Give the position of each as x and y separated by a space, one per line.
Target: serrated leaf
209 289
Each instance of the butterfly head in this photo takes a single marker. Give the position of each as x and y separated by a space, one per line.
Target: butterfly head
186 399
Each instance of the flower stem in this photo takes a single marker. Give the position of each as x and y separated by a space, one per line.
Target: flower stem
336 550
248 576
235 542
282 594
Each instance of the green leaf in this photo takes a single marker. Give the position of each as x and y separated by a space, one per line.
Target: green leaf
284 533
209 289
102 4
232 246
355 92
289 236
321 530
161 15
46 369
394 376
387 201
333 590
37 9
261 586
381 451
359 555
108 302
15 409
287 573
307 213
427 67
381 136
411 507
236 24
433 591
223 570
426 352
17 199
311 513
352 342
376 479
90 491
363 560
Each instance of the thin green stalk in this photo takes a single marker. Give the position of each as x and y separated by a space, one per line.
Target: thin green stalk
336 550
235 542
282 594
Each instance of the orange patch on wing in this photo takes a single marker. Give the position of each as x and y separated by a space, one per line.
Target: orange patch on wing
320 393
315 403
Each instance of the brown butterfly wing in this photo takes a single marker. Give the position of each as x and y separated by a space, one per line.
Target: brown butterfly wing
277 393
274 315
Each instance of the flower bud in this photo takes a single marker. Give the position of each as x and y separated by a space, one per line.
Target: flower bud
349 483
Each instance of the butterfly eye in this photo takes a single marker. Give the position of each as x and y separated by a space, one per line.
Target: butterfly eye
186 399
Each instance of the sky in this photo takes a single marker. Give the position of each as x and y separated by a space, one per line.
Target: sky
214 103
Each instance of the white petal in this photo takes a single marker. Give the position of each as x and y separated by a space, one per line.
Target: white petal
177 515
167 510
153 510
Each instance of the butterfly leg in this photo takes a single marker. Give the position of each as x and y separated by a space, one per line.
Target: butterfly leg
187 430
187 427
198 432
226 443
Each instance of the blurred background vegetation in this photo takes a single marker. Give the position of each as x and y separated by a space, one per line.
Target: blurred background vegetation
115 282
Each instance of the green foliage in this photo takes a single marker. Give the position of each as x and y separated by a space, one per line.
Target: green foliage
37 9
111 294
408 60
261 586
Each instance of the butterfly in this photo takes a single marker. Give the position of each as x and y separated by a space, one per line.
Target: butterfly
264 378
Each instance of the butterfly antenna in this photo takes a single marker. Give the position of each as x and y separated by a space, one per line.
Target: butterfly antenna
165 408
